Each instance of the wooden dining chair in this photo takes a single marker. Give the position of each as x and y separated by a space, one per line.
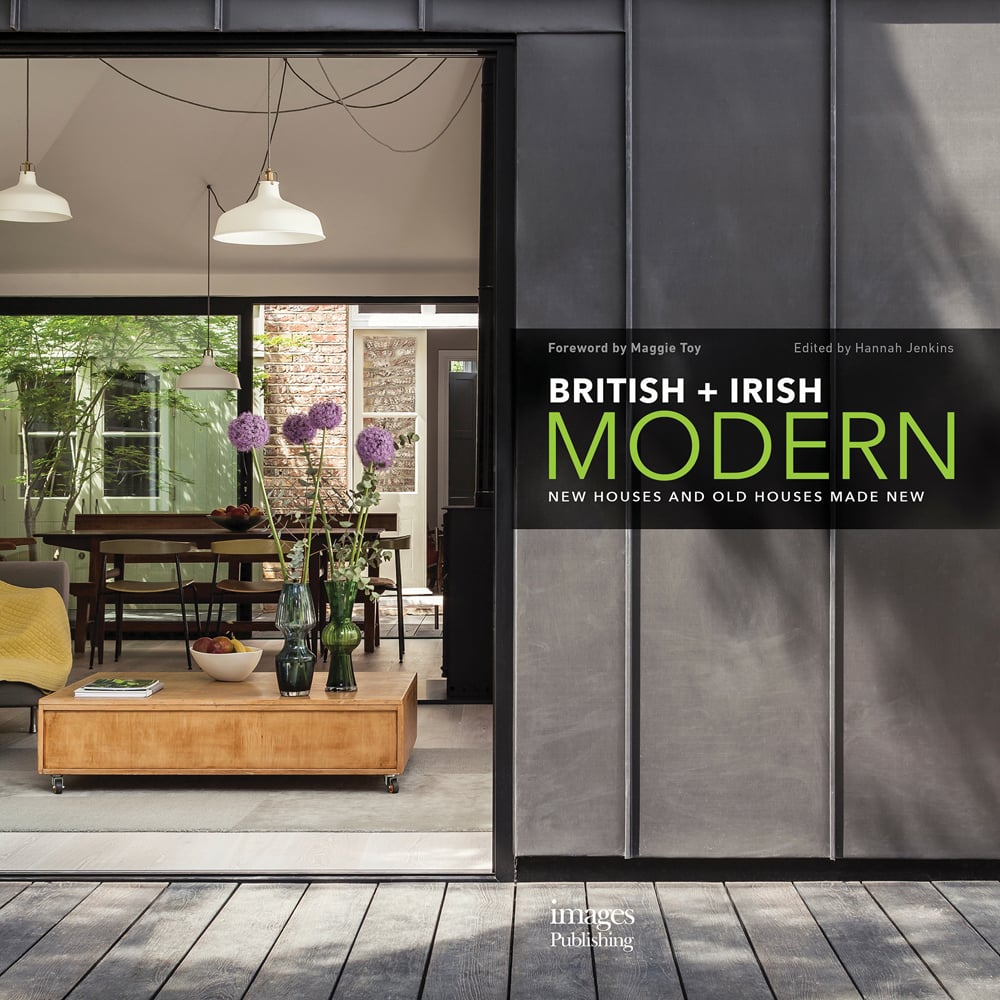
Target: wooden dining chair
235 588
13 544
380 585
384 585
130 552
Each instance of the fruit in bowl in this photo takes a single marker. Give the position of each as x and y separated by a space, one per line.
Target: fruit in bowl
237 517
225 658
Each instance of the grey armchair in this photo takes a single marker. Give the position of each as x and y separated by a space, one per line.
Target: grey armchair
52 573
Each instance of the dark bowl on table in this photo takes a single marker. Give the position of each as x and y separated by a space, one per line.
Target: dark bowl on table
233 523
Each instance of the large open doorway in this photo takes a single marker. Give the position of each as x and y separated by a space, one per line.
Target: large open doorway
74 281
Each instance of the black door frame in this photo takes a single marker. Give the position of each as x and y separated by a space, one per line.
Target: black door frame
496 300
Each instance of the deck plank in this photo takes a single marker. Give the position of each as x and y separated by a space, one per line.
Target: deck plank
979 903
965 965
796 957
540 968
391 950
471 954
142 961
226 957
713 955
119 941
8 890
32 913
311 951
63 957
643 967
878 958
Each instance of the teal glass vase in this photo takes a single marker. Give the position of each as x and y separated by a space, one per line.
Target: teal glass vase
340 636
296 662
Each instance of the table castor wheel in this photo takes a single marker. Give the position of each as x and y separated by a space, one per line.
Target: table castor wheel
391 784
57 784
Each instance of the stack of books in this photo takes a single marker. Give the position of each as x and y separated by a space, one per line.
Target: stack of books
119 687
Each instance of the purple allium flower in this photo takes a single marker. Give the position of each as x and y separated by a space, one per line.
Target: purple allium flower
325 416
375 447
298 429
248 431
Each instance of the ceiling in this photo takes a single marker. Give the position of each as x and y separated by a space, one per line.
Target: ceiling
134 167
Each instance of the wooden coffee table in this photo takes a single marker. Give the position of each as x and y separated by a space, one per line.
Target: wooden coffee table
196 725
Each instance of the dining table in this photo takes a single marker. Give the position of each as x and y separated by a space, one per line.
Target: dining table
91 530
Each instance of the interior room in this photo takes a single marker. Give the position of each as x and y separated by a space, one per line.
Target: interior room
151 155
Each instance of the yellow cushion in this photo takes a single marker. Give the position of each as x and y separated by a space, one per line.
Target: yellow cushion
35 643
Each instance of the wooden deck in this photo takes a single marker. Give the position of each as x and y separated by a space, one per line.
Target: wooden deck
436 940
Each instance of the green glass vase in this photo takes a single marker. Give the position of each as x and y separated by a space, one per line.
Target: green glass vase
340 636
295 663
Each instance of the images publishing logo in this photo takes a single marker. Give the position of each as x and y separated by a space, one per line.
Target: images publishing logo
591 928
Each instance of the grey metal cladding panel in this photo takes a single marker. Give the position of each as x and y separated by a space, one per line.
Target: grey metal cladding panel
569 707
321 15
570 181
525 15
116 15
918 132
921 637
734 726
731 176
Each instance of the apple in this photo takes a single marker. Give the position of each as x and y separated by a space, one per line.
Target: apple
221 644
243 511
203 645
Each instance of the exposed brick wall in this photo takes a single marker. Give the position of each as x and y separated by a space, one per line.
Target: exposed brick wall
297 378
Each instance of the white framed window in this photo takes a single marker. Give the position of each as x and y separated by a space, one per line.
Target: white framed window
131 435
389 389
45 442
130 446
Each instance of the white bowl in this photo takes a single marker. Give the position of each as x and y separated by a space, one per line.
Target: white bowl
228 666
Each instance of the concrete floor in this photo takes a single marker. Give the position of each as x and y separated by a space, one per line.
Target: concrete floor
376 852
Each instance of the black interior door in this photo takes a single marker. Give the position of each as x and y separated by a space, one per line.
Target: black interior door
461 439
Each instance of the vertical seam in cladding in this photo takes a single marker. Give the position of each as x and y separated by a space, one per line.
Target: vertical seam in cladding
630 803
833 679
629 303
832 211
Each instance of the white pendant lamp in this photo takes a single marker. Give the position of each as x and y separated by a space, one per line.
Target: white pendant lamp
208 375
26 201
267 219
